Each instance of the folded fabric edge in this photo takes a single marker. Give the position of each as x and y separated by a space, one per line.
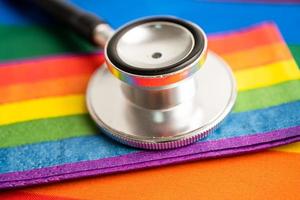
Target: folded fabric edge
220 148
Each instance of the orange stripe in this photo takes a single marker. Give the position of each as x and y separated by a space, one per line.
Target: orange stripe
264 175
258 56
56 87
48 68
249 38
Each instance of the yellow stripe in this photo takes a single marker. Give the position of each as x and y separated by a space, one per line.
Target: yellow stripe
293 148
42 108
69 105
267 75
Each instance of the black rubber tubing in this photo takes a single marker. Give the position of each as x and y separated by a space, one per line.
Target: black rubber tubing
80 21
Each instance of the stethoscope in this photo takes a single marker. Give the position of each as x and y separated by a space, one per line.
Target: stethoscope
161 88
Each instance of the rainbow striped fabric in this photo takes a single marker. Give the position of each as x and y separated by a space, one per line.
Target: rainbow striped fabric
47 136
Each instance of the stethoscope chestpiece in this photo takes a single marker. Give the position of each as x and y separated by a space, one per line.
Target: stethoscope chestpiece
155 52
162 89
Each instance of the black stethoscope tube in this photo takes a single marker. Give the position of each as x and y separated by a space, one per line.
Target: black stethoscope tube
75 18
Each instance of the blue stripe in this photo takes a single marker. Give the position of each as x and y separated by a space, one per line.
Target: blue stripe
60 152
96 147
212 16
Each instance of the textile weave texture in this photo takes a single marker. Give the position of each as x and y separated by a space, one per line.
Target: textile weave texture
47 136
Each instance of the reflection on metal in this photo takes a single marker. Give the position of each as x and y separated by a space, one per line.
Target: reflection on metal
164 118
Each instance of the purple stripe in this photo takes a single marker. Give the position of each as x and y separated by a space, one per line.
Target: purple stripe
201 150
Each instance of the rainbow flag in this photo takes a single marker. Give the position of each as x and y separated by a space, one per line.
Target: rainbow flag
41 55
47 136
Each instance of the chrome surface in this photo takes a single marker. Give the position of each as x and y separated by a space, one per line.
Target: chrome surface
161 97
141 121
102 33
155 45
169 78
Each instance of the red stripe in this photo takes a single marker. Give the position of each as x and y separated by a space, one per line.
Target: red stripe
20 195
259 35
49 68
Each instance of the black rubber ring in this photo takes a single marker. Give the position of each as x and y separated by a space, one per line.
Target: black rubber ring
193 55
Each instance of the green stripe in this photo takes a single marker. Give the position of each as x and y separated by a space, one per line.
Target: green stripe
46 130
268 96
81 125
295 49
18 42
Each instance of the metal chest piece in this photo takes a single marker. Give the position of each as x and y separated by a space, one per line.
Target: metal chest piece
160 88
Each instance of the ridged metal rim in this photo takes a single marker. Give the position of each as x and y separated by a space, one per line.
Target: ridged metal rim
162 145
